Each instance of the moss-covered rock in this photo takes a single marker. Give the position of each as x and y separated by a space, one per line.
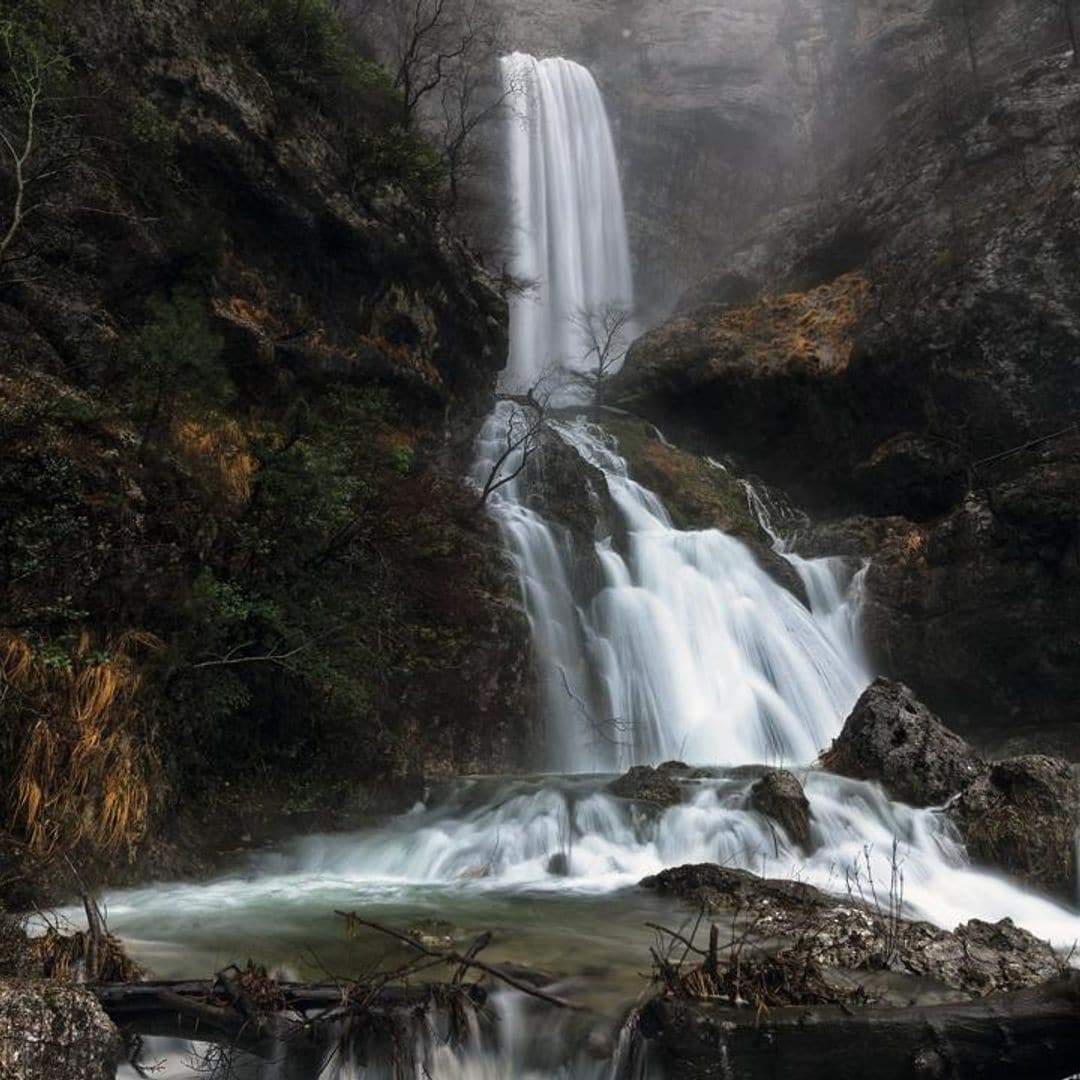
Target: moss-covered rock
699 494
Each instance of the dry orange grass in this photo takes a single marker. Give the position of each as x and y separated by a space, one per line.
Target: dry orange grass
85 763
815 328
216 448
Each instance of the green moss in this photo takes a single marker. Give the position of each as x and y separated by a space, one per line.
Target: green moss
698 495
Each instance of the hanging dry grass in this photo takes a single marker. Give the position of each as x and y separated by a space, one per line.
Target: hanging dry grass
216 449
84 760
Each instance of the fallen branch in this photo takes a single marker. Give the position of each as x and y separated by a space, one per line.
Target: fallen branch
467 959
220 1011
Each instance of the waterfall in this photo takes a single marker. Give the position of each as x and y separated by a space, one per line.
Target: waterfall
570 238
689 649
677 645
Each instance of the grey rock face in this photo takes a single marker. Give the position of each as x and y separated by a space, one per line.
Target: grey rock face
645 784
1022 816
892 737
55 1032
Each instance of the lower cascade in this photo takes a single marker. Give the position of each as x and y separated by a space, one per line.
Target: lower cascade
719 663
679 647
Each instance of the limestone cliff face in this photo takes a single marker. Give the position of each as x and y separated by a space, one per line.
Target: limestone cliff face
903 343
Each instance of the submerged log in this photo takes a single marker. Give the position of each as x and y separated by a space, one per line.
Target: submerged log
1033 1033
211 1010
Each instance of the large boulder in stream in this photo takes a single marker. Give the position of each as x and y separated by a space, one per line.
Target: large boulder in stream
779 796
657 786
49 1031
1022 816
893 738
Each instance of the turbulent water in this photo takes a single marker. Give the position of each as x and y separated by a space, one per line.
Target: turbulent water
570 239
681 646
689 649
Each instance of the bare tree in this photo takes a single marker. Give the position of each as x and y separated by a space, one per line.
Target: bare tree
605 335
525 420
443 55
27 148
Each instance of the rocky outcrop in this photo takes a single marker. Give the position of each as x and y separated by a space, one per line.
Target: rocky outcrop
893 738
700 494
925 391
1023 816
55 1032
779 796
975 960
658 787
243 363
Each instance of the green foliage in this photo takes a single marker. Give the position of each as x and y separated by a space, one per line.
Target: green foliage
175 364
302 42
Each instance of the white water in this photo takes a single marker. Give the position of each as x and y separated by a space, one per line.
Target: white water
570 232
689 649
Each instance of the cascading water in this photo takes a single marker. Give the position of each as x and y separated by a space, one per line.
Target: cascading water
689 650
572 254
685 648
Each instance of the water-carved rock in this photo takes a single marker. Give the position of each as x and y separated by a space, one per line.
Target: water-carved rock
645 784
893 738
779 796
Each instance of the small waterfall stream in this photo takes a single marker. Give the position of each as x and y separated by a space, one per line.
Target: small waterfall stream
684 648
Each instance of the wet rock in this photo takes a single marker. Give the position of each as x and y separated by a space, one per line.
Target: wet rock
700 494
559 864
911 475
50 1031
572 494
893 738
780 796
645 784
864 932
713 888
1022 816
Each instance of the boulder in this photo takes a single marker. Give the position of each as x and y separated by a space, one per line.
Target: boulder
645 784
779 796
49 1031
863 934
1022 816
893 738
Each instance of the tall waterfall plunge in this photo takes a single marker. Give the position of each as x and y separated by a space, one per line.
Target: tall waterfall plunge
570 239
689 649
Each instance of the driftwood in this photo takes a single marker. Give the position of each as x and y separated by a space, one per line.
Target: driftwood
1033 1034
462 960
219 1011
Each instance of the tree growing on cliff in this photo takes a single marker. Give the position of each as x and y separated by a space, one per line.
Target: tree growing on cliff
605 336
32 150
442 55
523 427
